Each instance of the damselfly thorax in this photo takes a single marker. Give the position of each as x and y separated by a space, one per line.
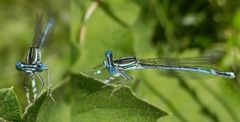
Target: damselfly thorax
33 56
127 63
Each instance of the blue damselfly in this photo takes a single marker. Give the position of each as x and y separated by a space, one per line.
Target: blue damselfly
33 64
116 68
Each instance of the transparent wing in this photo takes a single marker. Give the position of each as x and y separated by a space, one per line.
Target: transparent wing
101 73
192 62
46 31
38 31
40 35
98 72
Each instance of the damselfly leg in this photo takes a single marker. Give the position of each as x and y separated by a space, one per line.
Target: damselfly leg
120 83
42 83
116 78
49 91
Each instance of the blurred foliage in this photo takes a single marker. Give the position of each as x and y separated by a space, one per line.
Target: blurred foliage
85 29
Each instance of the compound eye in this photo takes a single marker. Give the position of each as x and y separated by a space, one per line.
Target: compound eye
108 53
19 66
41 67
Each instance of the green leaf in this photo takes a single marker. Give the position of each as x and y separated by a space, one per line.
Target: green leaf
10 109
81 98
61 110
85 99
92 102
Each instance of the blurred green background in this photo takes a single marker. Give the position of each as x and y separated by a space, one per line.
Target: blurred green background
85 29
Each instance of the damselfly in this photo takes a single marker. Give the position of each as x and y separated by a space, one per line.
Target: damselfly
116 68
33 64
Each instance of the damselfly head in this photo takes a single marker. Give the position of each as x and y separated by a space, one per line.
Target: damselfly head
41 67
108 59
